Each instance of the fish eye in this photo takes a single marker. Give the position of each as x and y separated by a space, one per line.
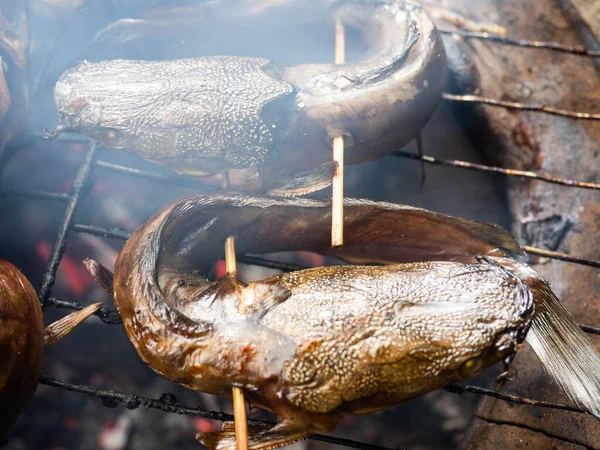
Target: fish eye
112 136
471 367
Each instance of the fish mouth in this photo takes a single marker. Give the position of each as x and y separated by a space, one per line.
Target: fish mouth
69 110
61 128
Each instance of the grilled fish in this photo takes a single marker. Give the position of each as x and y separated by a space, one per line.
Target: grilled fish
312 345
263 120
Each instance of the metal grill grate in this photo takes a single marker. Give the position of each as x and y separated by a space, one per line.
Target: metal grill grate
82 184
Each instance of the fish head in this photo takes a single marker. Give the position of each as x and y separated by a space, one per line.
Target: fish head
94 99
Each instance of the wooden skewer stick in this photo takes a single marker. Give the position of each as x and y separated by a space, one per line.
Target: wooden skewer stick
337 202
239 405
239 417
230 261
340 43
337 218
226 185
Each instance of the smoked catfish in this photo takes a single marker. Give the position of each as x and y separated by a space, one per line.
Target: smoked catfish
312 345
266 121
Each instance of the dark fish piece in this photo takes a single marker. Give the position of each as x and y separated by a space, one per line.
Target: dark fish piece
207 115
375 232
21 344
22 340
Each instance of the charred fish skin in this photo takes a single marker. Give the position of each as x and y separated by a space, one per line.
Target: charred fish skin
373 337
199 225
205 115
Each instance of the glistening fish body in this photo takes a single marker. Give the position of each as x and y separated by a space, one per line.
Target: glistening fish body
205 115
314 344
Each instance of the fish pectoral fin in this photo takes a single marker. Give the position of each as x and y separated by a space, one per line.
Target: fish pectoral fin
259 437
307 182
265 297
59 329
101 274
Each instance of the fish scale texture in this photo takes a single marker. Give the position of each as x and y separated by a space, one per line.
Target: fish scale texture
397 330
206 107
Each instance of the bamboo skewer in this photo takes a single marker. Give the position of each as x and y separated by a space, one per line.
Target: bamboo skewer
337 204
239 405
340 43
337 201
230 261
239 419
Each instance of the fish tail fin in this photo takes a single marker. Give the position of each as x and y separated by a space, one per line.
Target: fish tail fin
564 350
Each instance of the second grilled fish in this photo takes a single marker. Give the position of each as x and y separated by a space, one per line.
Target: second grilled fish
202 116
